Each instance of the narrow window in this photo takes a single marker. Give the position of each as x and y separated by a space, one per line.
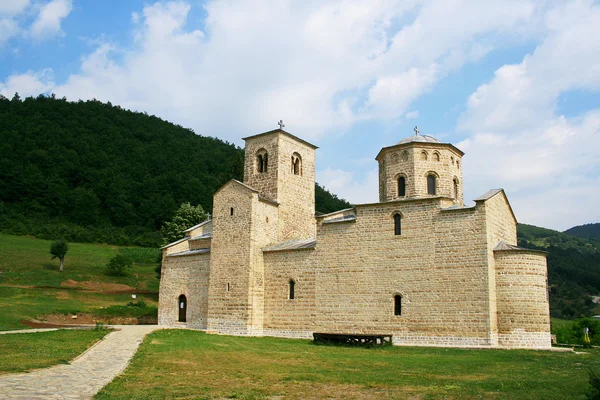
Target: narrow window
397 305
456 189
292 288
397 224
431 184
259 163
401 186
296 164
228 287
266 163
231 211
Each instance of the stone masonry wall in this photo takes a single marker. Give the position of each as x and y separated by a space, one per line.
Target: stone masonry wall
296 192
231 247
409 161
439 274
284 316
187 275
500 226
522 293
264 182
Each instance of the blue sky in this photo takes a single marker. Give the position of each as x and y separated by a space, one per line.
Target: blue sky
514 84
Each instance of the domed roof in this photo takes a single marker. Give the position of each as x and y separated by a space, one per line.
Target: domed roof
419 138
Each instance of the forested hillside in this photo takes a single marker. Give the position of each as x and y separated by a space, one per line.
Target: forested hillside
90 171
573 269
588 231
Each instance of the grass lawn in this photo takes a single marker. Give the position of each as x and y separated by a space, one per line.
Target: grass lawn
30 282
190 364
23 352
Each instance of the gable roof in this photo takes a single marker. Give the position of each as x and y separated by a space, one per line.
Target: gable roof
493 192
236 182
284 133
198 226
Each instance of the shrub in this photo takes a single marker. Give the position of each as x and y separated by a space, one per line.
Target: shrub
118 265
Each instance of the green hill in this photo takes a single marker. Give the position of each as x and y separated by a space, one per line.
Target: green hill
573 269
587 231
94 172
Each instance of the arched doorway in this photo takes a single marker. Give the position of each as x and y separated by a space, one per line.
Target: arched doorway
182 306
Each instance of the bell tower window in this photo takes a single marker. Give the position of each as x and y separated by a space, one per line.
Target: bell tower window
401 186
431 184
262 161
296 164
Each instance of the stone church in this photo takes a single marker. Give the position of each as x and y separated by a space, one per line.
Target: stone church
418 264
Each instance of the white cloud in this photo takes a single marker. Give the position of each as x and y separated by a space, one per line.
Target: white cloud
28 84
48 22
8 29
346 185
412 115
12 7
318 66
549 163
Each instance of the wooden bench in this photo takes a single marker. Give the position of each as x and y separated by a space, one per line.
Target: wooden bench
353 339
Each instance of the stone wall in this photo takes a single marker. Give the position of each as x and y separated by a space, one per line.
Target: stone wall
231 249
439 274
415 161
187 275
522 293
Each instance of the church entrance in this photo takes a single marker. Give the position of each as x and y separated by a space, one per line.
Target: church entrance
182 306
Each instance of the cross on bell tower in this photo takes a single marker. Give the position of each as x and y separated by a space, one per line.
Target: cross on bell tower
281 124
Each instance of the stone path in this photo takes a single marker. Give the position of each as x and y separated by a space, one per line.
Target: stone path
84 376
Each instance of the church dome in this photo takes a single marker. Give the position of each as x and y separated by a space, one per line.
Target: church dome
419 138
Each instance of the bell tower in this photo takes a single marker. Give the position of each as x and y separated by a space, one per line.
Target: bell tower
281 167
420 166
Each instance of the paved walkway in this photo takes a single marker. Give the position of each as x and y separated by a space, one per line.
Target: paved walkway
84 376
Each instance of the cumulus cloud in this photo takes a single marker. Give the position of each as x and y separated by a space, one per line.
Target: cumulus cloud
27 84
347 185
319 66
550 163
48 22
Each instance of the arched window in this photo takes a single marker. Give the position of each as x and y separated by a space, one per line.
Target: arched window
456 188
262 161
397 305
401 186
182 306
259 163
436 156
431 184
296 164
405 155
424 155
397 224
292 289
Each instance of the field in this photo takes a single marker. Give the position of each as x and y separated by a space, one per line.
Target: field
31 284
189 364
23 352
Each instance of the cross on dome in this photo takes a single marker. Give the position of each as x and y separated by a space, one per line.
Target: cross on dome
416 131
281 124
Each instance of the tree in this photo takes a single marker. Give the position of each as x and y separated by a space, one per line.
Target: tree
185 217
58 250
118 265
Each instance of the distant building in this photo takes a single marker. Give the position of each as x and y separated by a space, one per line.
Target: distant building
418 264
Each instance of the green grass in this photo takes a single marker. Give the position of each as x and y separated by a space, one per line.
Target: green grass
23 352
190 364
30 282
